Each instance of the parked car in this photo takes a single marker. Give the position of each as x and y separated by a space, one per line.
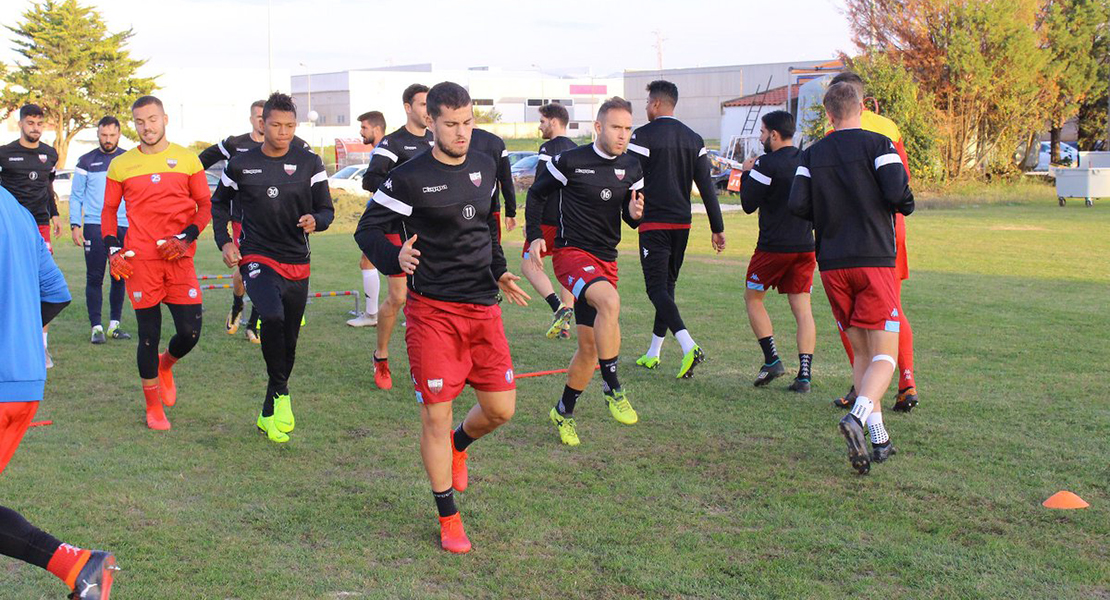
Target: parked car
524 172
349 179
213 176
516 155
63 184
1069 155
721 168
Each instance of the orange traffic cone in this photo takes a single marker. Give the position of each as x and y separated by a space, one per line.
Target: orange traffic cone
1065 500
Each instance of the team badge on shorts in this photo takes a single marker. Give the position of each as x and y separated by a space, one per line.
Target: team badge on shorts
435 386
509 376
588 268
253 270
606 194
619 173
192 292
172 162
476 178
290 169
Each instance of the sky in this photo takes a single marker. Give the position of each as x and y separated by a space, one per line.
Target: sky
582 36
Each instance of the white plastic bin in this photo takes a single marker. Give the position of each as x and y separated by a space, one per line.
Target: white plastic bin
1082 183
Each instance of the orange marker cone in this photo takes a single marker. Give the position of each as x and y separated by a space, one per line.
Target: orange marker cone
1065 500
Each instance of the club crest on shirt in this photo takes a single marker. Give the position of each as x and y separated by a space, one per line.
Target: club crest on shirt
155 178
619 173
272 192
435 386
469 211
42 158
476 178
192 292
171 162
290 169
606 194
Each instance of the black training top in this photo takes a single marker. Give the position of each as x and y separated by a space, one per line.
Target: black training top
766 188
549 150
29 174
394 150
494 147
674 158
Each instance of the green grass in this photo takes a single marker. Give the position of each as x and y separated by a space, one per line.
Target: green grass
721 491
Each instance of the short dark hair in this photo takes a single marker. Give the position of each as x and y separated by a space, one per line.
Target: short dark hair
849 77
278 101
106 121
146 100
374 118
446 94
841 98
411 92
30 110
258 104
780 121
614 103
664 91
555 112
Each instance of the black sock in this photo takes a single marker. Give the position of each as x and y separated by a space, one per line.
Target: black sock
609 378
770 354
236 304
253 321
376 359
567 402
553 301
22 540
445 502
268 404
462 440
805 361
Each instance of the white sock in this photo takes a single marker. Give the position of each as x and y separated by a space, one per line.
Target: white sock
685 340
875 426
371 285
656 346
113 324
98 328
45 342
862 409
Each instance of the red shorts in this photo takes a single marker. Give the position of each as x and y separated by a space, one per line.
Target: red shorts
864 297
44 231
15 417
901 260
395 239
576 269
452 344
236 231
548 238
789 272
158 280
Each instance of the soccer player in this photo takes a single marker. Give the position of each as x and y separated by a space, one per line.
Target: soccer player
783 257
455 268
34 292
553 128
86 201
906 399
282 192
493 146
168 205
233 145
600 184
27 171
372 129
850 184
673 157
396 149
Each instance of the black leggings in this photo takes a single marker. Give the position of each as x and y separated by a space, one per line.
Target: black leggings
21 540
661 254
280 303
186 320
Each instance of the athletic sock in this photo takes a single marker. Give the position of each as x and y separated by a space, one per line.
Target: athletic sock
253 321
567 402
45 340
609 380
862 408
656 347
805 362
67 562
445 502
879 435
112 324
770 353
98 328
553 301
371 286
153 395
236 304
166 361
268 404
684 340
462 439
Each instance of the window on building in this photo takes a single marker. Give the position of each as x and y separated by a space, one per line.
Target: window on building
342 119
567 102
573 125
483 102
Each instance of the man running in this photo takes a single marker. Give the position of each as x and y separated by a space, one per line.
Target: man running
396 149
34 292
599 185
372 129
86 201
783 257
456 269
282 192
673 157
222 151
553 128
168 205
27 171
906 399
850 184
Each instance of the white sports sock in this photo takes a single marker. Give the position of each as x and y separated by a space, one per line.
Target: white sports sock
862 408
875 426
684 340
371 285
113 324
45 341
656 346
98 328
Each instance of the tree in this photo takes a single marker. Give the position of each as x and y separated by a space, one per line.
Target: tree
487 116
72 67
1071 36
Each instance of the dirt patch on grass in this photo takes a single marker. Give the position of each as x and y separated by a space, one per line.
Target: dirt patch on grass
1017 228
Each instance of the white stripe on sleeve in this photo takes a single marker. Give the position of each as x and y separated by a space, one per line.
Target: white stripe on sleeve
223 150
386 153
391 203
887 159
760 177
551 168
639 185
80 171
702 152
317 178
224 179
803 171
638 149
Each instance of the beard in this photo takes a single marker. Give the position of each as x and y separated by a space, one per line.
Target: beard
32 137
767 147
108 147
451 151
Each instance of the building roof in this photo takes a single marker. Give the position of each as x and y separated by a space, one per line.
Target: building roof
772 97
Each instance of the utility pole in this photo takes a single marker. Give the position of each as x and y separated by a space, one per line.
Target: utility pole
270 43
659 39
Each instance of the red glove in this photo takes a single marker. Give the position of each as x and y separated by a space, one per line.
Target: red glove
117 263
173 248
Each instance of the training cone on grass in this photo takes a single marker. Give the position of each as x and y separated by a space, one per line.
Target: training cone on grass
1065 500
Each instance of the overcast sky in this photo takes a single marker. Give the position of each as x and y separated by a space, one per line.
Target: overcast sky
603 35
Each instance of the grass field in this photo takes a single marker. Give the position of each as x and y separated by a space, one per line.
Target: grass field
721 491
